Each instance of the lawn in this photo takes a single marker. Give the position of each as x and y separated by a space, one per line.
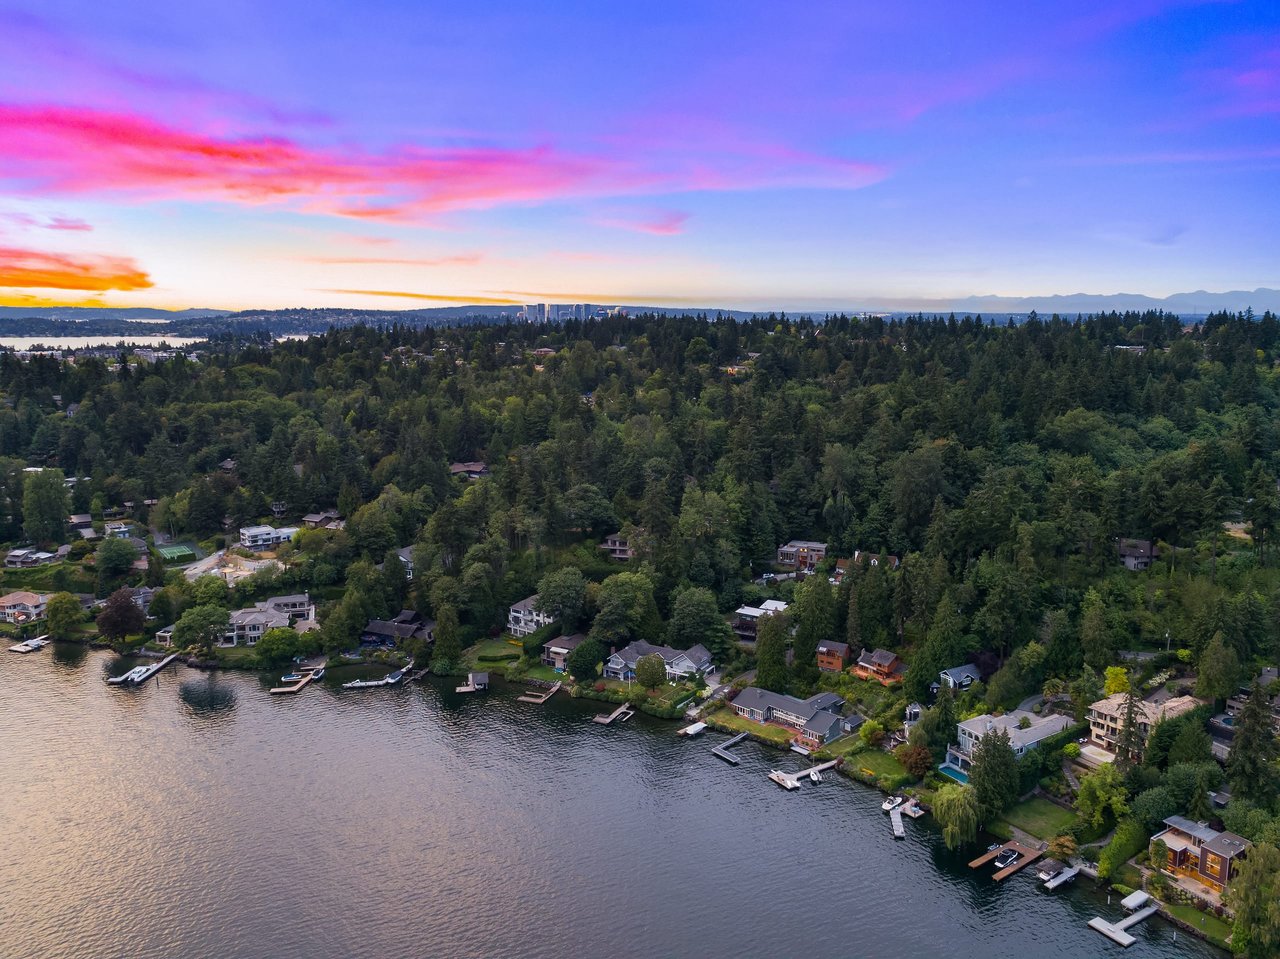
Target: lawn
1040 818
546 674
1210 925
42 579
881 763
728 719
491 649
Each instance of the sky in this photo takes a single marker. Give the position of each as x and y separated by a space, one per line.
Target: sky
410 153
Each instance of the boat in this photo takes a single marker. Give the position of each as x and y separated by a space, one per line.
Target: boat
815 776
291 678
318 673
893 802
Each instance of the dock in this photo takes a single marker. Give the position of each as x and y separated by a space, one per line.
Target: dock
789 781
1118 932
539 698
913 809
696 729
895 818
390 679
30 645
1062 878
1026 856
723 749
140 674
281 690
623 712
475 682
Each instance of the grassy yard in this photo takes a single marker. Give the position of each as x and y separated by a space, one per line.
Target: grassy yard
1214 929
728 719
41 579
491 649
879 762
1041 818
547 674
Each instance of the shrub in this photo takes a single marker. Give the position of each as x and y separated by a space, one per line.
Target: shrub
1129 840
1071 750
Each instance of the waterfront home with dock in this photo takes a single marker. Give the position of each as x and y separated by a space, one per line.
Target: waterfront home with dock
816 720
1026 732
1199 852
555 652
524 618
680 663
881 665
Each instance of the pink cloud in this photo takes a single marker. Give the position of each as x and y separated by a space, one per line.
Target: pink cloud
657 222
66 150
68 223
27 221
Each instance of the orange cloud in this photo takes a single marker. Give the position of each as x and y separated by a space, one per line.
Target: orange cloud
433 297
60 271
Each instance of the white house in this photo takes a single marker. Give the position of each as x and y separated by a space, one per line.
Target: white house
23 606
265 537
523 618
1026 732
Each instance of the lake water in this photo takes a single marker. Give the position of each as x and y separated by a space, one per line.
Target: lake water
84 342
199 816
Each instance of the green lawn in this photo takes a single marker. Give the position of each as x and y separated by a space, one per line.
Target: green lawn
879 762
1040 818
1214 929
740 724
547 674
491 649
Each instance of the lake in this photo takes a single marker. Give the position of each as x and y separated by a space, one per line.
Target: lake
85 342
199 816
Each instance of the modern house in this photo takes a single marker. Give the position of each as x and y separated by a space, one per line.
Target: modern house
555 652
747 618
1106 717
833 657
1201 853
265 537
881 665
680 663
618 547
117 529
957 678
1026 731
246 626
816 720
802 554
523 618
26 558
469 471
1136 554
22 606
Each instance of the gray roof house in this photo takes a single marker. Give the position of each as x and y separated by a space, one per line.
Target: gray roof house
680 662
1026 732
957 677
817 720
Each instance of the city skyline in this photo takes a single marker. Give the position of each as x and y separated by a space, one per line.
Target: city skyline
731 155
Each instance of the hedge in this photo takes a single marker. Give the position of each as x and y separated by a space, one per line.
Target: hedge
1129 840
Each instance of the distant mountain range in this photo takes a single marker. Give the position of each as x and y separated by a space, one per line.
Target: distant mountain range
1199 302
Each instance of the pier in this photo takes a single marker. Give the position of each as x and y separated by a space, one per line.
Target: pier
723 749
895 819
539 698
30 645
697 729
281 690
1026 856
790 781
389 680
475 682
913 809
1139 904
140 674
1062 878
623 712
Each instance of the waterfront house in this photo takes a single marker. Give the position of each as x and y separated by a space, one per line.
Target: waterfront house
1107 716
469 471
747 618
815 720
523 618
833 657
680 663
1026 731
802 554
880 665
265 537
1198 852
389 632
246 626
618 547
23 606
555 652
1136 554
957 678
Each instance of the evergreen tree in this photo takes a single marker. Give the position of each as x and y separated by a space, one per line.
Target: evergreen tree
1129 744
1254 896
1251 764
44 506
771 653
994 775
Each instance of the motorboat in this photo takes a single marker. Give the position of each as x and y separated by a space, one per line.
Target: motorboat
815 776
291 678
893 802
